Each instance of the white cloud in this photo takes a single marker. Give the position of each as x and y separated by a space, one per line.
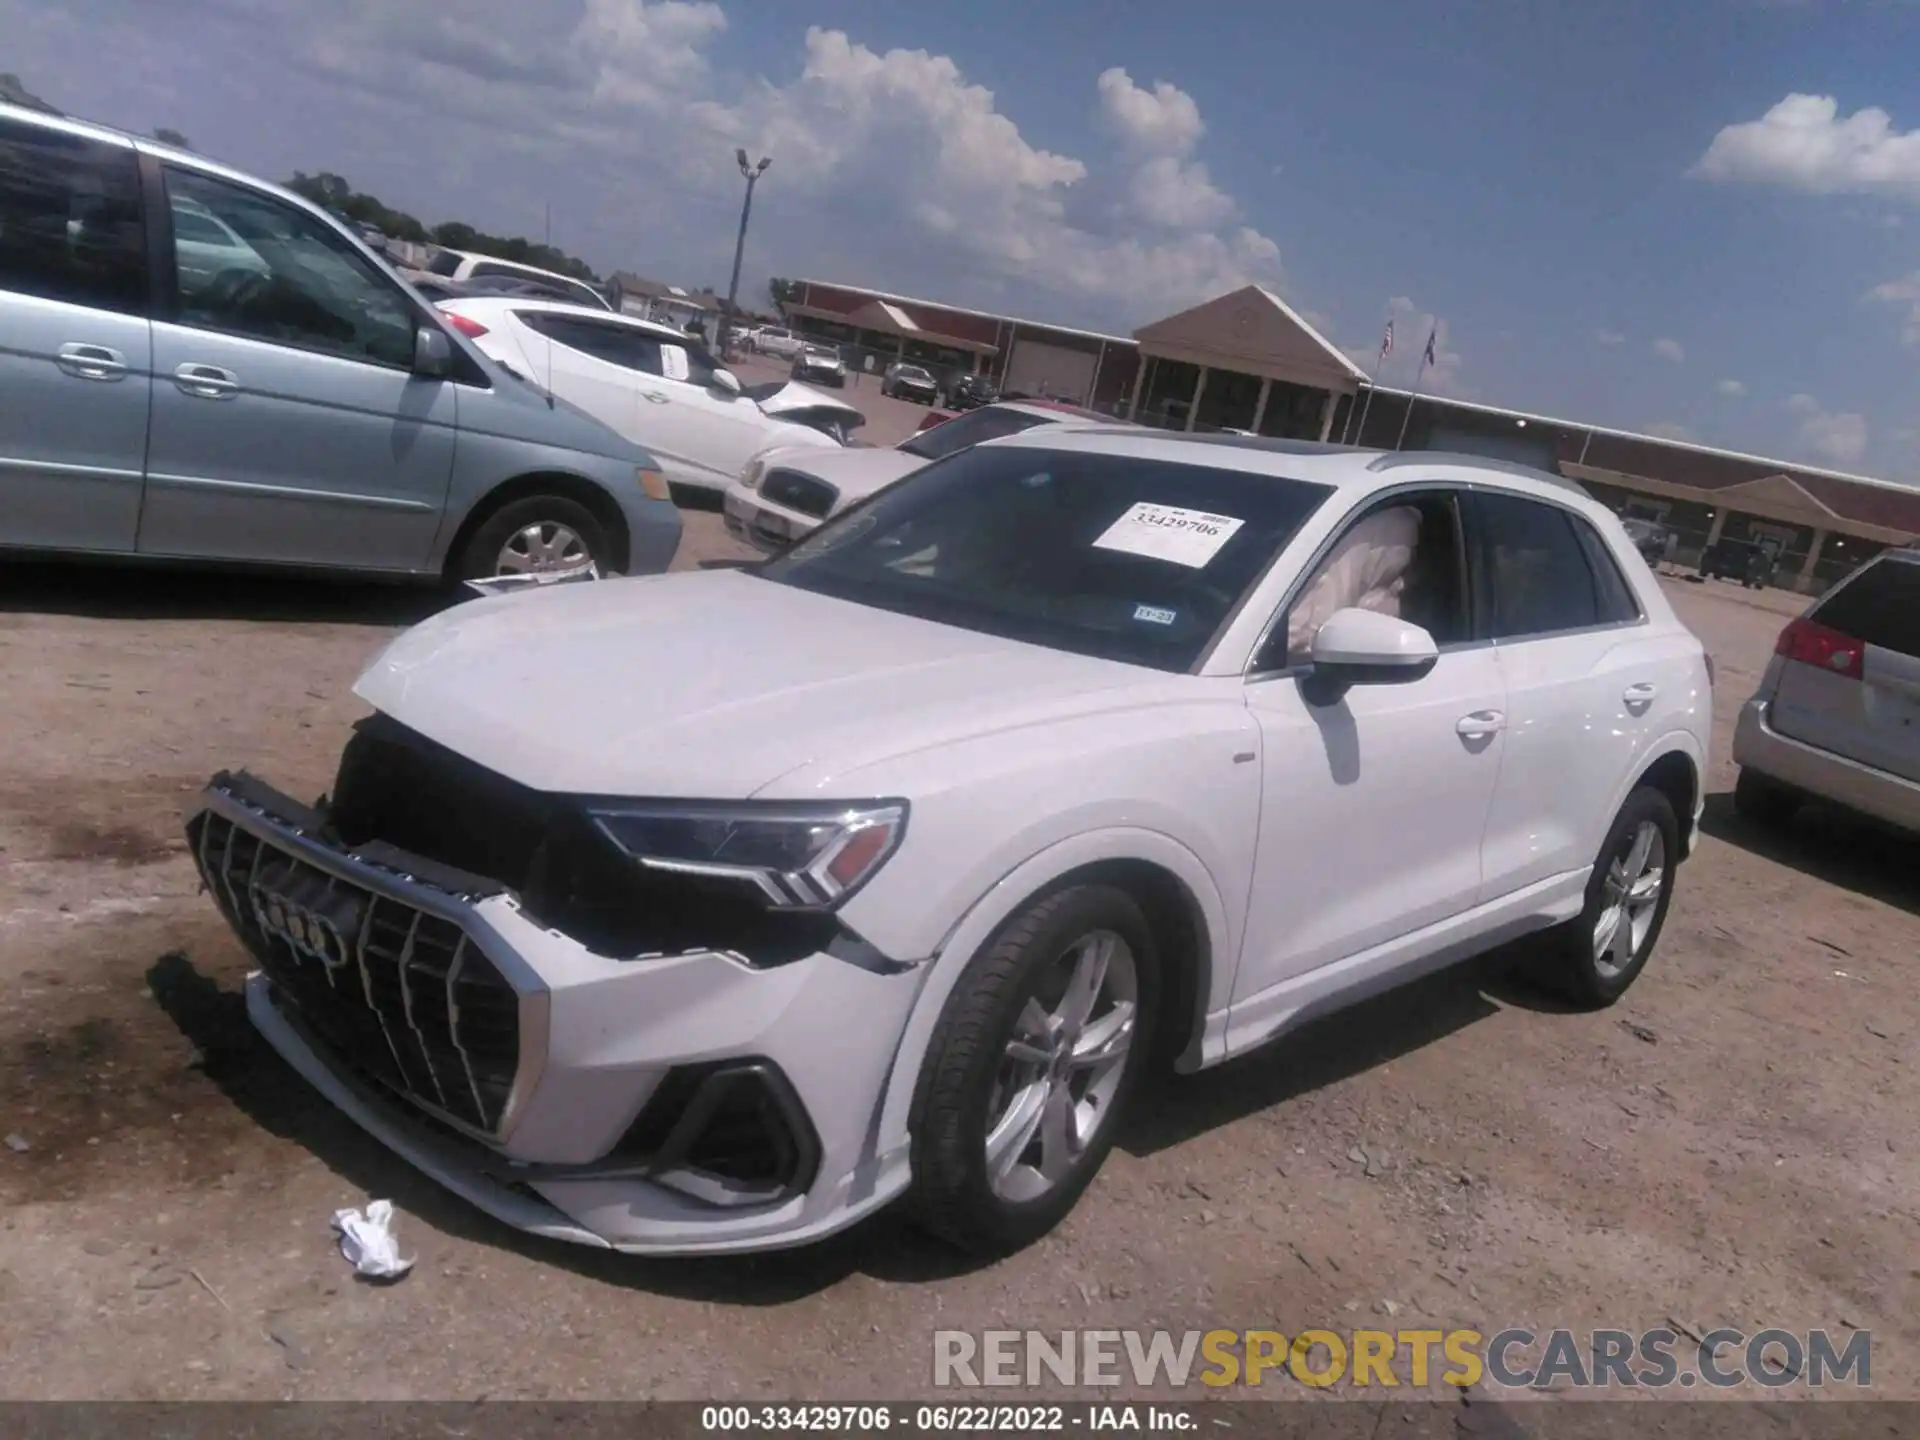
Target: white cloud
1835 437
1672 430
1157 130
1161 121
1903 294
1804 143
1609 337
1668 348
1732 389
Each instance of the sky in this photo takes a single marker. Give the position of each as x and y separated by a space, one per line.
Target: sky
1699 220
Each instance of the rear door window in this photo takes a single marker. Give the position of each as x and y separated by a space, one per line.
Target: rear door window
70 220
1880 605
615 344
1534 575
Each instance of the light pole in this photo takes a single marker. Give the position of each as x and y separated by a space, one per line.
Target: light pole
752 173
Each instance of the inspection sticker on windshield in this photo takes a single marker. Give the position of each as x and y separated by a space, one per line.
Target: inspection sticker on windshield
1167 532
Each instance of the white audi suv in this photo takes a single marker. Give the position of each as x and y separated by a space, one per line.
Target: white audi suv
715 911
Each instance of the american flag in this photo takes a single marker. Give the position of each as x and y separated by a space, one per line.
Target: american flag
1386 341
1433 335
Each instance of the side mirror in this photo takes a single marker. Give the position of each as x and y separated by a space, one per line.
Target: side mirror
432 353
726 380
1361 647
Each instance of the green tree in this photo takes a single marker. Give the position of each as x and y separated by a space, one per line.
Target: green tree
783 291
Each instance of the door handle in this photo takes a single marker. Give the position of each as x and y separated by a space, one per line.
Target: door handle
91 362
1640 694
655 397
208 382
1480 724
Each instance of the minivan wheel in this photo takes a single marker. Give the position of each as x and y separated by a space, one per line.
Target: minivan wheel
538 535
1761 801
1594 958
1031 1067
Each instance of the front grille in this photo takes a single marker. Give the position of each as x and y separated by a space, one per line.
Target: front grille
403 996
398 787
800 493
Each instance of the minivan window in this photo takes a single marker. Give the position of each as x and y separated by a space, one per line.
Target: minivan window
70 224
1103 555
949 436
294 282
1880 605
446 263
1535 566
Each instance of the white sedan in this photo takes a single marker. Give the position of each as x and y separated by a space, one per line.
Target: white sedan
784 493
659 387
714 911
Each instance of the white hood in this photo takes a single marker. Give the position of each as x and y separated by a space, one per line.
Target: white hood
713 684
793 398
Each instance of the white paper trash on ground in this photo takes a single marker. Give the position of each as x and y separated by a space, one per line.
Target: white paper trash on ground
368 1241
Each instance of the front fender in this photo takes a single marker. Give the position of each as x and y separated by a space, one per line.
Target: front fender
1032 876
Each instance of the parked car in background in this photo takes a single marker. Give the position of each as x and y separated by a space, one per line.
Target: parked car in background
909 382
1075 752
1653 540
822 365
466 265
374 237
779 343
785 493
968 392
656 385
303 408
1750 562
1836 717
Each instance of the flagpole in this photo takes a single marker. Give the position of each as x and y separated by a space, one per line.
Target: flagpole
1426 358
1359 432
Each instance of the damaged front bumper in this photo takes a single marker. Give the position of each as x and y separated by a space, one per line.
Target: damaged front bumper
680 1104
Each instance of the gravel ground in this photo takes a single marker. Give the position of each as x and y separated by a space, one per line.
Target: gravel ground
1734 1144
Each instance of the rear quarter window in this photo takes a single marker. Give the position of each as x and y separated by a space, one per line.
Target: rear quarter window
1880 605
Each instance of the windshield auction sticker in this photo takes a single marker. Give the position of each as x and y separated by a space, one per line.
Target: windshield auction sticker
1167 532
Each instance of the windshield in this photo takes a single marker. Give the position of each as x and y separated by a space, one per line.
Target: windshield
912 372
1104 555
445 263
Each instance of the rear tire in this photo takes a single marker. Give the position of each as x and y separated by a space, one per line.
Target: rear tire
1027 1078
1593 959
1764 802
535 534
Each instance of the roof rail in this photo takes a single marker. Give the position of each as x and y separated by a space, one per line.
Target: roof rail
1398 459
1273 444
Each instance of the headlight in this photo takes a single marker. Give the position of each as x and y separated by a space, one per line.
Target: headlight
652 482
753 474
798 857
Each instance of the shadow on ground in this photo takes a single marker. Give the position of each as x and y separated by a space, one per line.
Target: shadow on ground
141 592
253 1078
1830 845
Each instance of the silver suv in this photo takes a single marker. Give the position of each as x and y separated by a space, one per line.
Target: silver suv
199 366
1837 715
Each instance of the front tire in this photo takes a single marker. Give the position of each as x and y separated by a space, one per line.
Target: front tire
1593 959
538 534
1031 1068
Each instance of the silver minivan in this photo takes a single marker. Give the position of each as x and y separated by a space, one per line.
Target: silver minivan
1837 715
196 365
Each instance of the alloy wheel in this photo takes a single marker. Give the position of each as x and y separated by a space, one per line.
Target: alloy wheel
1631 899
1061 1066
545 548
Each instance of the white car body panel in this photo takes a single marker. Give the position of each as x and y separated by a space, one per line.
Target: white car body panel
1325 851
702 435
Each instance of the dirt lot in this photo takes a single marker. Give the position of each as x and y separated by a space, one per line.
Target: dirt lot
1734 1144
